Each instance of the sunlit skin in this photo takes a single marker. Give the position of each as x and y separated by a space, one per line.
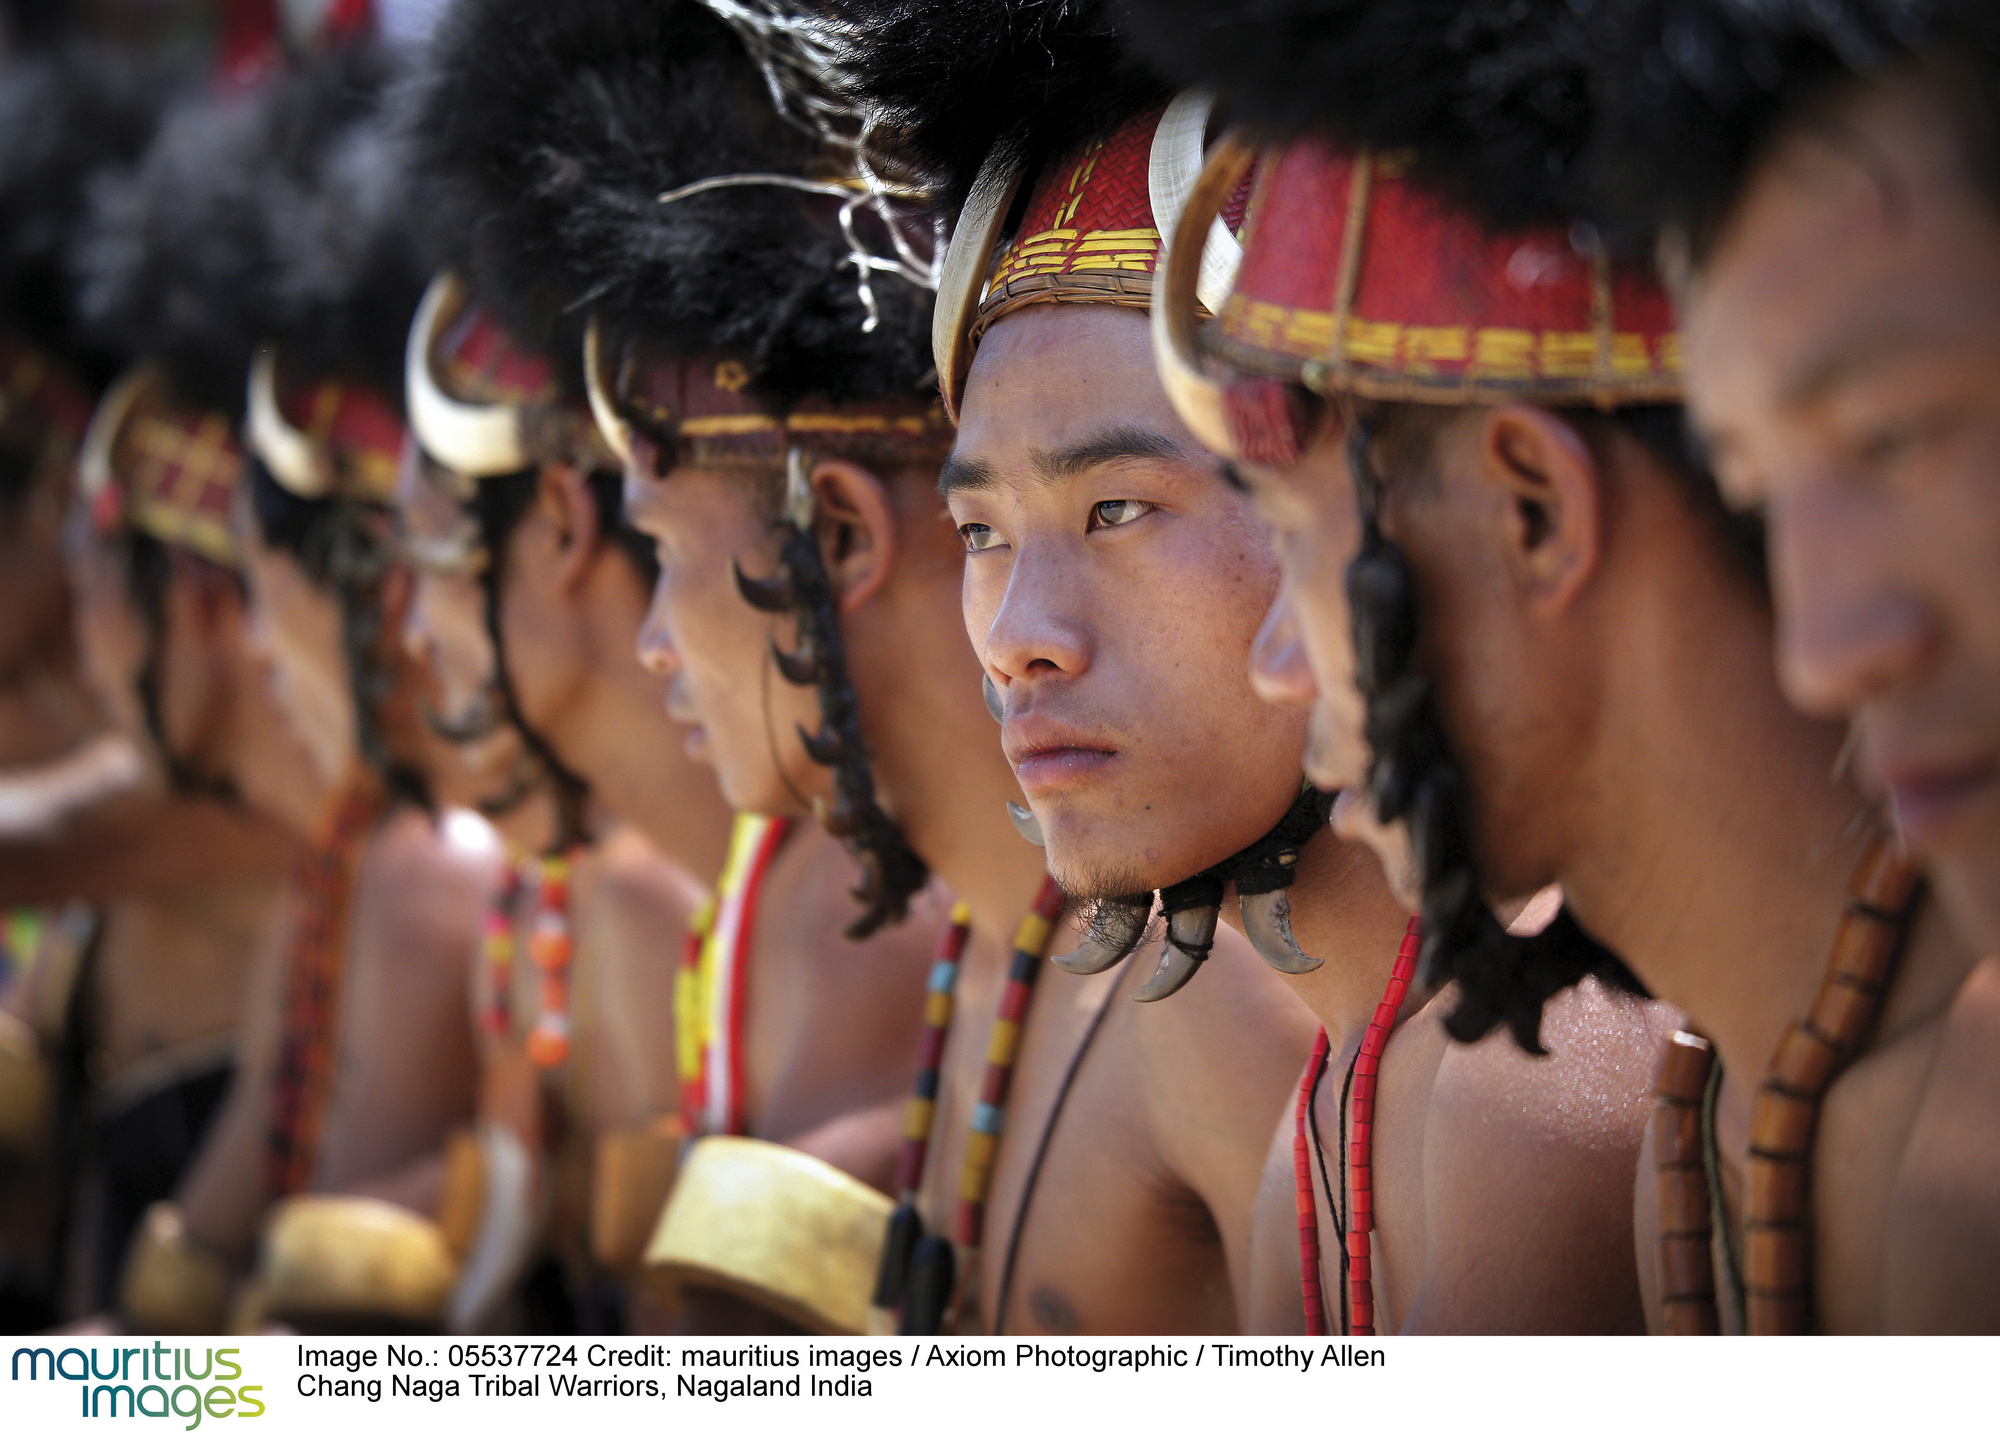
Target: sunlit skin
1606 676
1107 562
1843 342
421 887
296 624
446 633
740 715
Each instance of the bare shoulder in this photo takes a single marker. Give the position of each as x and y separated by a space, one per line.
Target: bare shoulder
633 883
1592 1092
1528 1171
431 876
1944 1254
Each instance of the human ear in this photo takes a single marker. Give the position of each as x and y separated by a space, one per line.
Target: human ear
856 528
571 509
1552 516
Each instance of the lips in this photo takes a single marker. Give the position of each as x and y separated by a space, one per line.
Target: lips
1929 798
1048 754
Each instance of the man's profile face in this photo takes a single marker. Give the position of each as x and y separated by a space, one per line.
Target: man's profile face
1114 581
445 628
1315 529
1843 344
712 646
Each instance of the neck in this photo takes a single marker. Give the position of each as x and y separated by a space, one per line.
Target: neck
1712 848
618 738
1343 913
941 775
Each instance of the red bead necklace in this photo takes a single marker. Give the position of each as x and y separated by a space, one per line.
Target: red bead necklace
939 1001
552 950
498 946
1360 1150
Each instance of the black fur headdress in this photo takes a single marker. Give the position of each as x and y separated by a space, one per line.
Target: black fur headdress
70 120
1493 97
279 218
549 132
950 79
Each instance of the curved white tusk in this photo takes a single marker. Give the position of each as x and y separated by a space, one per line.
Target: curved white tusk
478 440
962 277
1174 168
1267 920
1175 312
1115 932
1025 823
94 469
614 430
301 466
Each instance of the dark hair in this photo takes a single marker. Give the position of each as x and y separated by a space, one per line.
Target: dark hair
1415 776
953 79
1492 101
279 218
345 549
1701 89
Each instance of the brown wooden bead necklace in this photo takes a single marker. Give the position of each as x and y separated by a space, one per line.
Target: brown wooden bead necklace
1775 1270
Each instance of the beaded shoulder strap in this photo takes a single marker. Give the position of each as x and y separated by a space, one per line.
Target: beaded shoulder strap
1777 1228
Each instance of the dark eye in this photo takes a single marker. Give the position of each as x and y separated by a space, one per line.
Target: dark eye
1116 512
977 536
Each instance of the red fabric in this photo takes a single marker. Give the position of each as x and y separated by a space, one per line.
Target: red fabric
481 363
1436 295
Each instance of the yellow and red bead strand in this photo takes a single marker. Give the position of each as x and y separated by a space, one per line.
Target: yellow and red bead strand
551 949
1031 943
498 947
1360 1173
1310 1293
920 1113
691 1017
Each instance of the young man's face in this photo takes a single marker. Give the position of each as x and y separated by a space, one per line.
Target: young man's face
1114 581
1843 342
1316 528
712 646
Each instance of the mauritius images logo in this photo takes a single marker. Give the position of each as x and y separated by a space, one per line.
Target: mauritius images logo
114 1381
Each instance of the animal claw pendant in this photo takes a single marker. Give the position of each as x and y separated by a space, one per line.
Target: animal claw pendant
1025 823
1263 874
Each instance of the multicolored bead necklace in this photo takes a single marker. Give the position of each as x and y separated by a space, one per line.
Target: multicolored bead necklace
1360 1101
1775 1296
919 1272
551 950
498 948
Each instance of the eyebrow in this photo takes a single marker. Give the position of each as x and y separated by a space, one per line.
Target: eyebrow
1059 465
1849 357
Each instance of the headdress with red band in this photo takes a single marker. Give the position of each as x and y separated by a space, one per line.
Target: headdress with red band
154 465
481 403
1093 230
1357 280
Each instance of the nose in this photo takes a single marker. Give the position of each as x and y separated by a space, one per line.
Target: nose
1039 628
654 645
1279 672
1850 624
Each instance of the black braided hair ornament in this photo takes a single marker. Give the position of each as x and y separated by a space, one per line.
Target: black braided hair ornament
1413 776
890 871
